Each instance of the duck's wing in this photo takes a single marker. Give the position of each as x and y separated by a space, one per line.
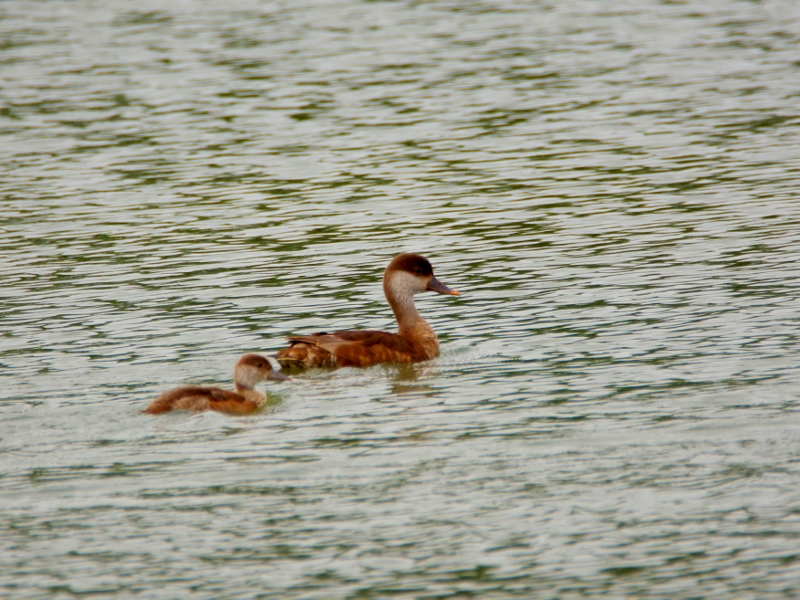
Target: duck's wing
230 402
360 348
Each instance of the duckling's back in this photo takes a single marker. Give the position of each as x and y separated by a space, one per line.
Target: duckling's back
197 399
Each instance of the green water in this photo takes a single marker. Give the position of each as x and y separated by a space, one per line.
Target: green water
611 185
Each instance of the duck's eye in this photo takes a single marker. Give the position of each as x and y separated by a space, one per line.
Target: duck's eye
418 270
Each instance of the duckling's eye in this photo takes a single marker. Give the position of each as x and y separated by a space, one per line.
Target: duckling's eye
418 270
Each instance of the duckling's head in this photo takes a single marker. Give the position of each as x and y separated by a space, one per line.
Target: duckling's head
253 368
413 273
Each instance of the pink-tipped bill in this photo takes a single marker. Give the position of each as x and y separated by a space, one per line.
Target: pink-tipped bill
434 285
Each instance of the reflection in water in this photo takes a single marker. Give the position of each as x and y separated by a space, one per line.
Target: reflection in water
613 411
411 379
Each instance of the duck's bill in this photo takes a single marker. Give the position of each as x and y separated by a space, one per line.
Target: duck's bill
278 376
434 285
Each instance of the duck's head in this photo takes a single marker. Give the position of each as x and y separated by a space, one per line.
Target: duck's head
253 368
409 272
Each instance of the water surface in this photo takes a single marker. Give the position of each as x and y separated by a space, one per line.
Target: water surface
612 186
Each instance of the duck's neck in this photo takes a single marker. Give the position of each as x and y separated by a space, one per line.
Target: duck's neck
399 291
245 380
251 394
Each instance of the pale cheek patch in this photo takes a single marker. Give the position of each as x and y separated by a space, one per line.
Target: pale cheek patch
248 377
406 284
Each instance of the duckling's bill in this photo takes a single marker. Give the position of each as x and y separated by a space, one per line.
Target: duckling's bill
275 373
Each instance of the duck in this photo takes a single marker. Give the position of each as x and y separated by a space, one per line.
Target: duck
415 341
249 370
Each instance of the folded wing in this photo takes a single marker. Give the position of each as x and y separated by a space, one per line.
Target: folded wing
349 348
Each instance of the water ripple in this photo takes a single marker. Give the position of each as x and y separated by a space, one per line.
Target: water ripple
612 188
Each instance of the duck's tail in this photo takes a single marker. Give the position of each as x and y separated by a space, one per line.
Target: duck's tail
289 362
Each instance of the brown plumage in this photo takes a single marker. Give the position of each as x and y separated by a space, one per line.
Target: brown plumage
251 369
406 275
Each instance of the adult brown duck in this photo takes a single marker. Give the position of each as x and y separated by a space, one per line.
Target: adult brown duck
415 340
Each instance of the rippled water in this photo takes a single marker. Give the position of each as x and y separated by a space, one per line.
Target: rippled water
611 185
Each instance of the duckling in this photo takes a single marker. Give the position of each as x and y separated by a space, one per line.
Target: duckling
415 340
251 369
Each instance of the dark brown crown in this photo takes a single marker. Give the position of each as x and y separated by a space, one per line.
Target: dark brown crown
411 263
254 360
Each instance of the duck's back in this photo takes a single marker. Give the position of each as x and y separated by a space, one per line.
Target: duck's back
196 398
352 349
